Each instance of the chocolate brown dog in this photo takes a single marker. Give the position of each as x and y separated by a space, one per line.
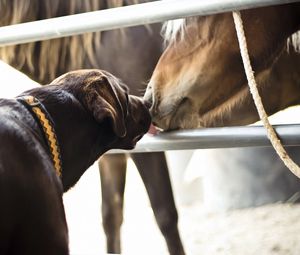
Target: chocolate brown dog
48 137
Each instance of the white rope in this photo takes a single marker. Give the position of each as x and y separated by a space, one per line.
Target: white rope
290 164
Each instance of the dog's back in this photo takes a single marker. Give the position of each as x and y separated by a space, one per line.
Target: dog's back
30 194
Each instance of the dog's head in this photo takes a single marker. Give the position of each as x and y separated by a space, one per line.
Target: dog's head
106 97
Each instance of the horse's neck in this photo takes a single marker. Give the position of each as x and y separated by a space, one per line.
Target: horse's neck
279 85
287 79
279 88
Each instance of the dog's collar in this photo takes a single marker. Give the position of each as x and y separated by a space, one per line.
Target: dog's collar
41 114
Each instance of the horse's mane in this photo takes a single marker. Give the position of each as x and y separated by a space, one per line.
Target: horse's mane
175 30
67 53
172 28
294 41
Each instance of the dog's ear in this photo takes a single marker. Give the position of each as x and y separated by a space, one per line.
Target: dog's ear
104 97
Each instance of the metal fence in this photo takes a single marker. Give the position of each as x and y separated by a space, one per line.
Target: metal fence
223 137
127 16
147 13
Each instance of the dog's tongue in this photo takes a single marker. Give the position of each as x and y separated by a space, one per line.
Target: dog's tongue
153 130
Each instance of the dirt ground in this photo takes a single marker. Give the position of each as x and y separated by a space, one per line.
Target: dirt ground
272 229
266 230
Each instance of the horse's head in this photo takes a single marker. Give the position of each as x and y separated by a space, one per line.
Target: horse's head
200 78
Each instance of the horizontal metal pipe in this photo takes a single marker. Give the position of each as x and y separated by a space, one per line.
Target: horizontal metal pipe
207 138
133 15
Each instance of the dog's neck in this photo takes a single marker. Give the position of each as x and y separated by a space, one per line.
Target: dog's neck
78 134
47 126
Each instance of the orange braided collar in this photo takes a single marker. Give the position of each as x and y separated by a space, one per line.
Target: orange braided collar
42 115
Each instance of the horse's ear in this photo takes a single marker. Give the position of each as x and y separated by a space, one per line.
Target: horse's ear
104 102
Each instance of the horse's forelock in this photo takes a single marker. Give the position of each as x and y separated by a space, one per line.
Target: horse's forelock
294 41
172 28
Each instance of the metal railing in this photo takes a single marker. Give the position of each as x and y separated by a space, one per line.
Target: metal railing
223 137
121 17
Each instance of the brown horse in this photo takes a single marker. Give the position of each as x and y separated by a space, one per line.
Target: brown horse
130 54
199 80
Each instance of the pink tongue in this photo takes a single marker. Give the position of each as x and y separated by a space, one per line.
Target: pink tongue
152 130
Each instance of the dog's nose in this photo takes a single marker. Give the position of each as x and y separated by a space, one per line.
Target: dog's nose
148 103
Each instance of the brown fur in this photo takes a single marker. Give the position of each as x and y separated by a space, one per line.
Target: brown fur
130 54
91 110
199 80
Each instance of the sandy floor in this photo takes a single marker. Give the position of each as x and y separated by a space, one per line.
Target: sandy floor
272 229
